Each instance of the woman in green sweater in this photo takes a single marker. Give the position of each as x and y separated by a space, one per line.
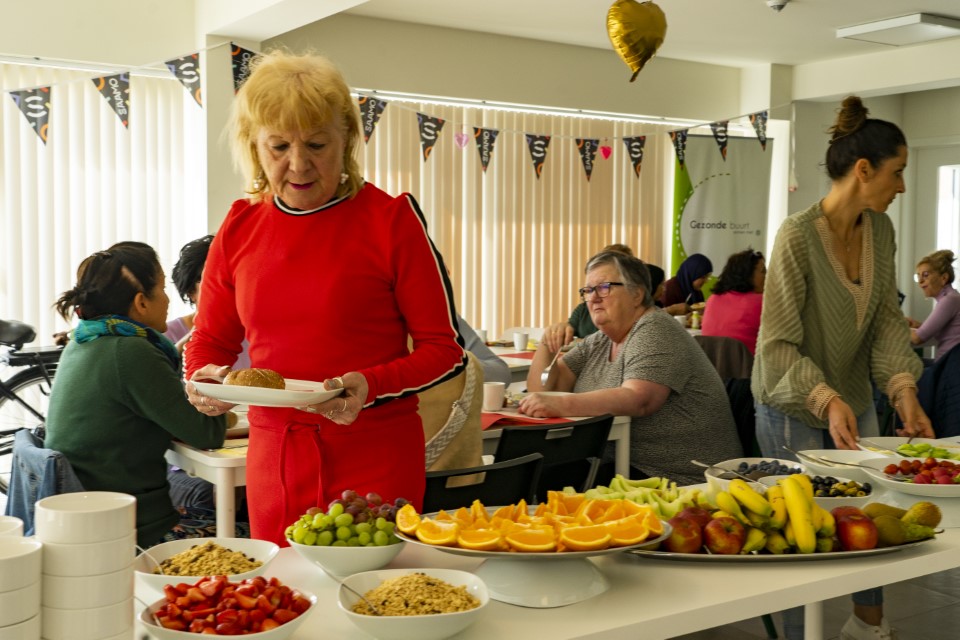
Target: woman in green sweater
118 400
831 322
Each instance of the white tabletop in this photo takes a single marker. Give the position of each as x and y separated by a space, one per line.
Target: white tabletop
648 599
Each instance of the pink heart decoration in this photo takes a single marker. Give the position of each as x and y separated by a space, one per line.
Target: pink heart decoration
605 151
461 139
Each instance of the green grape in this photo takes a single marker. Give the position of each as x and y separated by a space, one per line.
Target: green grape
317 522
389 527
393 539
325 538
364 527
288 532
344 533
381 539
336 509
305 518
310 538
328 521
339 543
353 542
381 522
343 520
299 534
365 538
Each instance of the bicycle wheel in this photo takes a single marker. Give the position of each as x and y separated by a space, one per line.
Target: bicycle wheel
33 389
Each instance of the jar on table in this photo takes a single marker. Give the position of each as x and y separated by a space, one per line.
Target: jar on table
695 320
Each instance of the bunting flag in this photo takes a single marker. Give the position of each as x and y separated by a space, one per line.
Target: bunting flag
680 144
187 71
588 152
370 110
538 151
430 129
116 90
720 135
759 122
35 105
240 60
635 151
485 138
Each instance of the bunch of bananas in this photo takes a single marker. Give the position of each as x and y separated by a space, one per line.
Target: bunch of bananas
787 520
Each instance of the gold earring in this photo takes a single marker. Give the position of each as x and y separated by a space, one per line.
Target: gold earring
344 177
260 181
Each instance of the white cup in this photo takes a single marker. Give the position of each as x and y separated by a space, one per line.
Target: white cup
493 393
482 334
11 526
520 341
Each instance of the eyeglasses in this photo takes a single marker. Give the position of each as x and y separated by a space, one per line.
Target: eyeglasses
919 277
602 289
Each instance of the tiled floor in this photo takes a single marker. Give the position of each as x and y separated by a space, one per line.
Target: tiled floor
926 608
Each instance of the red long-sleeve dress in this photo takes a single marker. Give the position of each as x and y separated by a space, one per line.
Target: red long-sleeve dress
318 294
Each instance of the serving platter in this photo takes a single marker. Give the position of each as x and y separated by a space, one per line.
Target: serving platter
539 580
783 557
875 471
298 393
892 442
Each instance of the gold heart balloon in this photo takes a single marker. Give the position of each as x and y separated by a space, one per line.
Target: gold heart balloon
636 30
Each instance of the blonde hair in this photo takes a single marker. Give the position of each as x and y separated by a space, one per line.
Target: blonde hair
290 92
941 262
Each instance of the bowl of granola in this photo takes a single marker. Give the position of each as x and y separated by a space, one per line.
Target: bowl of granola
193 558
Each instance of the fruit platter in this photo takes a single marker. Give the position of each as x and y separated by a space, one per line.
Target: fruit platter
931 477
788 523
557 537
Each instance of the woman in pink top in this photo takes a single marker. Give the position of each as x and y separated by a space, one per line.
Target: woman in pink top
733 309
934 276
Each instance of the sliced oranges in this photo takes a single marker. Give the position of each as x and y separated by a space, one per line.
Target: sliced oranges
532 540
585 538
407 519
480 539
438 532
566 522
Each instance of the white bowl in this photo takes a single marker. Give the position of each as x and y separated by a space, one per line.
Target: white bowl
86 592
79 518
86 624
20 562
20 604
144 565
283 631
27 630
926 490
715 483
343 561
90 559
892 442
11 526
830 503
426 627
856 456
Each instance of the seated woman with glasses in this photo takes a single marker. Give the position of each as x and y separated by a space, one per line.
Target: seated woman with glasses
641 363
733 309
942 327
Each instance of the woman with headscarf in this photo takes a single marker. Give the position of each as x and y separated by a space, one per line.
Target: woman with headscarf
684 289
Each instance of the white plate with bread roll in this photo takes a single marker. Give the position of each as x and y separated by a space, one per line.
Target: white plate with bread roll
239 387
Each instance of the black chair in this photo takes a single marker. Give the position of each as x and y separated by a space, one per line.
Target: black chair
571 451
497 484
729 356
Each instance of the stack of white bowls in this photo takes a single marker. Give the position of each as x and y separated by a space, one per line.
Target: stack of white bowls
20 561
11 526
89 544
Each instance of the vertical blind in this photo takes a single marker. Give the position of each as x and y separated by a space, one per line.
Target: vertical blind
94 183
515 244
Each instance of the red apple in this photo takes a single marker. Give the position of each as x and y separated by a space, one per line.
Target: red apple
698 514
686 536
724 536
856 532
839 512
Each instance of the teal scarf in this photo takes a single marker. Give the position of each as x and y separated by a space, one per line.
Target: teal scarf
123 326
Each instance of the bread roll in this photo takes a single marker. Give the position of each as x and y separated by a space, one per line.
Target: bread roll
267 378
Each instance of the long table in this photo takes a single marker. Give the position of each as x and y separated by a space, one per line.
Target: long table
519 366
649 599
227 471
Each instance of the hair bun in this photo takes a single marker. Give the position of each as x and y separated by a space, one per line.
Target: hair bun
852 116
